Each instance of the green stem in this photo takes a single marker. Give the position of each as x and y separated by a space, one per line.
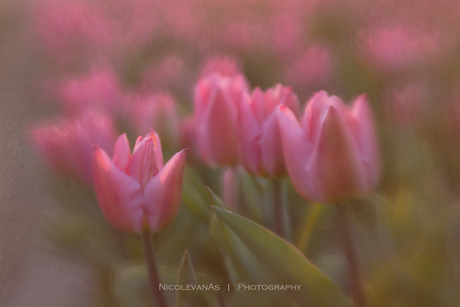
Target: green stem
352 258
152 269
278 207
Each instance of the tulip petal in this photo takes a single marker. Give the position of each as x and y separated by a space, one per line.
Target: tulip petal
367 140
119 196
143 164
334 163
249 133
272 150
121 153
157 146
139 139
292 102
258 105
312 116
163 193
297 151
220 130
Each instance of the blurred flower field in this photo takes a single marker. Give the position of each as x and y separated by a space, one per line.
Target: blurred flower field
245 142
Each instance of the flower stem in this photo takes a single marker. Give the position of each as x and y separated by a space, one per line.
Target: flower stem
152 269
278 207
221 299
352 258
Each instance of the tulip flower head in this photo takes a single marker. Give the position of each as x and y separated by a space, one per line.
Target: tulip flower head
260 150
216 102
67 144
332 155
136 191
98 91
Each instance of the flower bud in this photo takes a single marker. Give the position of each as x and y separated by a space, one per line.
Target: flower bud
333 155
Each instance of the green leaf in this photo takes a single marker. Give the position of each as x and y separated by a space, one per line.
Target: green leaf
242 264
193 201
186 276
286 263
215 201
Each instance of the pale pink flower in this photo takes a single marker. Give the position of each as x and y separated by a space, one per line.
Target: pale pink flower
136 191
258 133
216 103
332 155
66 145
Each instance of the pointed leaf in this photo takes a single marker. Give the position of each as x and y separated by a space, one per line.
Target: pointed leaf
215 201
285 262
241 262
186 276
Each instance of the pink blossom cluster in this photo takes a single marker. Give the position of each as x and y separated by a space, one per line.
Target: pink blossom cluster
132 66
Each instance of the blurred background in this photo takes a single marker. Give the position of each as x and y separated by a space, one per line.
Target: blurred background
135 64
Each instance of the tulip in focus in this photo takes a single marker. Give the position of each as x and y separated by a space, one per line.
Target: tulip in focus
67 144
332 155
136 192
260 150
216 102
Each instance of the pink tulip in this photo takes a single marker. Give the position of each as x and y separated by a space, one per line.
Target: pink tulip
136 191
98 91
313 69
223 66
67 144
259 138
216 101
158 112
332 155
187 138
399 47
71 30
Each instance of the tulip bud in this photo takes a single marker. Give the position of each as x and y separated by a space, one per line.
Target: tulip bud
136 189
216 101
67 144
259 138
333 155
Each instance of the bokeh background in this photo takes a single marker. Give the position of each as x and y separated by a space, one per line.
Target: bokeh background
55 247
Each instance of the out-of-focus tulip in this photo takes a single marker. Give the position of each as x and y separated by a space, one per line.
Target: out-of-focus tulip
187 139
136 191
312 70
216 102
67 144
98 91
398 47
405 104
70 30
259 138
223 66
332 155
157 112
